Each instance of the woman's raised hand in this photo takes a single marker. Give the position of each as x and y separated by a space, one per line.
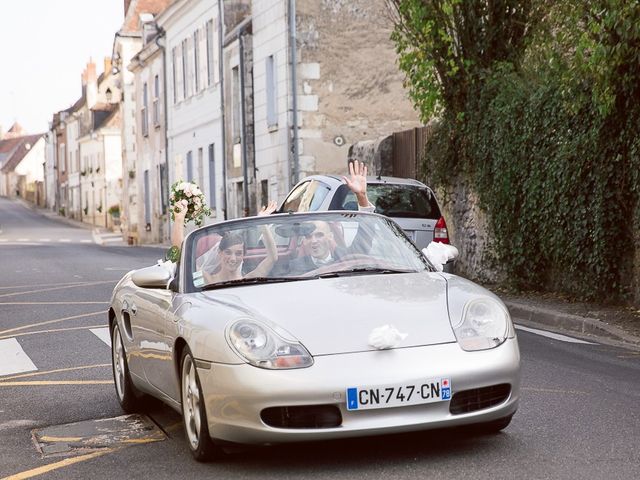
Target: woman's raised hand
269 209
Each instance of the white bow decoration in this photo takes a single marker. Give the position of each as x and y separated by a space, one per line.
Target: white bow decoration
386 337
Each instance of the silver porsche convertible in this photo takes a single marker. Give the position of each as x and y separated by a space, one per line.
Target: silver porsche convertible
322 325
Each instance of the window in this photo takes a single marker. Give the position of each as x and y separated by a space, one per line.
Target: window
235 114
272 93
156 100
196 59
212 177
264 192
189 166
163 186
239 200
211 67
184 68
307 197
144 111
200 180
63 158
147 199
174 56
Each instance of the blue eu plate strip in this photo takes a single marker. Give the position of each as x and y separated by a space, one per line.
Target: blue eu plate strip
352 398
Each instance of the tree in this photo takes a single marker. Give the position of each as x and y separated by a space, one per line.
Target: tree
448 47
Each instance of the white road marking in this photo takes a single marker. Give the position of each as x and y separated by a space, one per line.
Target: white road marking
86 241
555 336
44 240
64 240
24 239
102 334
13 359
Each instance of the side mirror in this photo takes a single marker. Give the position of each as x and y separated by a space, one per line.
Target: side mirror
440 253
157 276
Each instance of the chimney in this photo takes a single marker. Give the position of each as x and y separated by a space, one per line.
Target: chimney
107 66
91 83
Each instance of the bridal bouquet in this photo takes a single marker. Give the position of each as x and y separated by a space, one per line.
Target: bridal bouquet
188 196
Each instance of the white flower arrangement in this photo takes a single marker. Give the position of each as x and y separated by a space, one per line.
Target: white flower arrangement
188 196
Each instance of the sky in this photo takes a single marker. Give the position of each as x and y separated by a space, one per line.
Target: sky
44 47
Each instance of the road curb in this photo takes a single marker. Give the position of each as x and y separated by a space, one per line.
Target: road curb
566 321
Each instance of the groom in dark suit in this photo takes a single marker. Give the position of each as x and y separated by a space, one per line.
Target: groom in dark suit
319 242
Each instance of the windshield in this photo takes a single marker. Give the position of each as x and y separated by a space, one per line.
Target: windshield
294 247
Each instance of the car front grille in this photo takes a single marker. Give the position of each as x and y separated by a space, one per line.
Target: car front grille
308 416
479 398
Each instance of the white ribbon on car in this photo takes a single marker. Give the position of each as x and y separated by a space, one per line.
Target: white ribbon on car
386 337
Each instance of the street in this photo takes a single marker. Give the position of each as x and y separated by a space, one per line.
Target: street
579 415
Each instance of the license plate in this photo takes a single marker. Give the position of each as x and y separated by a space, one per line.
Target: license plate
398 395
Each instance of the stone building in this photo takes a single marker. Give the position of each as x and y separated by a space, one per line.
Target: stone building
237 76
344 83
21 165
127 42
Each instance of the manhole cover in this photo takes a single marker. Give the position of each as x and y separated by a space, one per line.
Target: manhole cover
93 435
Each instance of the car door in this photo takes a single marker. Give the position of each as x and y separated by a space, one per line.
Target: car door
148 311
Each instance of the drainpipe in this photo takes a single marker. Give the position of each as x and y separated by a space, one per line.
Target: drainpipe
294 92
243 129
163 34
222 113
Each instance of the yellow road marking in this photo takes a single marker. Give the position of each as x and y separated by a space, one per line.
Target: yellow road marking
87 284
51 331
138 441
34 374
53 303
553 390
54 466
24 327
55 382
46 438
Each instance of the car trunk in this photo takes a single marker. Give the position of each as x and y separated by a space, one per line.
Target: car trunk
337 315
419 230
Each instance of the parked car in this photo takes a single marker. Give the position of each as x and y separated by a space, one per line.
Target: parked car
409 202
373 341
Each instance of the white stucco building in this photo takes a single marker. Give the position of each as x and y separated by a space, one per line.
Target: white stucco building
194 129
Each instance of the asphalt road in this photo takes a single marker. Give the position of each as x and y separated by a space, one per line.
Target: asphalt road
579 415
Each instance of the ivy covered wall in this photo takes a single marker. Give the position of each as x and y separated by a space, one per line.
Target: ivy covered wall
542 141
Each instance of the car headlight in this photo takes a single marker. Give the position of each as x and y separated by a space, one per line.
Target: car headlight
485 324
262 347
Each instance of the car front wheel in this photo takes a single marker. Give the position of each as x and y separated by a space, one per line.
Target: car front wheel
194 414
126 392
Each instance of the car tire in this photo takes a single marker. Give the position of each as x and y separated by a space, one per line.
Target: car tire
194 415
127 394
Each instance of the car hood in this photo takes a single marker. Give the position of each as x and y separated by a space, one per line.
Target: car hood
337 315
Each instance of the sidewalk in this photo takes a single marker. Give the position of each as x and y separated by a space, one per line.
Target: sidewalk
606 323
101 236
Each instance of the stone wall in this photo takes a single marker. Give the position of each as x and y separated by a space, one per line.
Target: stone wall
351 89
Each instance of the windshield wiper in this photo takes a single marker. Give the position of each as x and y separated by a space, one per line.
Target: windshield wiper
355 271
251 281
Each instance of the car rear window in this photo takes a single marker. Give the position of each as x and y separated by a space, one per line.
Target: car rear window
392 200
